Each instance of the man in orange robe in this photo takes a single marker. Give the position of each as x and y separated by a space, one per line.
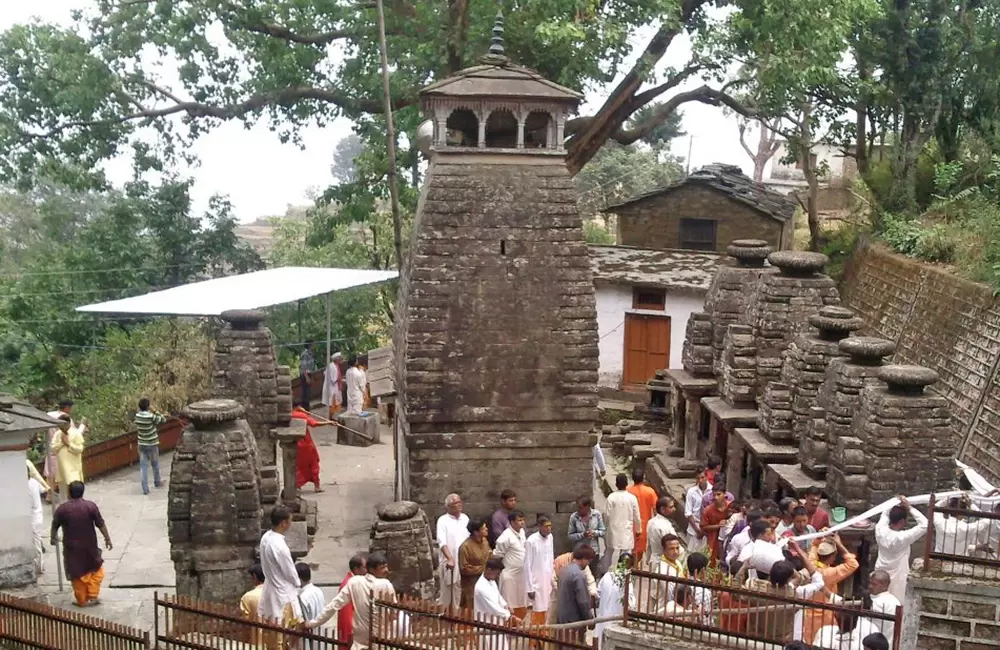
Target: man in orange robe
307 456
647 508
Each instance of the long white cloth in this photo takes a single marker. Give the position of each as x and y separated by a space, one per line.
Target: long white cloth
487 601
281 582
623 520
511 549
331 393
538 559
357 381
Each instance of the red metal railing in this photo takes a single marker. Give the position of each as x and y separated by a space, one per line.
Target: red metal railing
123 451
962 539
416 624
30 624
182 623
715 613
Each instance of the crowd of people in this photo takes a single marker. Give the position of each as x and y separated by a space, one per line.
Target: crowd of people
495 568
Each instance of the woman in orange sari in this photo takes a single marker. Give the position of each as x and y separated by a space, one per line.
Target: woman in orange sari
713 518
307 456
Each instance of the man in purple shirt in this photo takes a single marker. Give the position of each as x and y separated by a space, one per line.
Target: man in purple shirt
501 518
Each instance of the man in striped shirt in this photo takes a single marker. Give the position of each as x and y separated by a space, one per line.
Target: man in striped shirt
147 423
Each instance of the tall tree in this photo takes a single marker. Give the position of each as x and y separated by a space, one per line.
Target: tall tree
768 143
71 97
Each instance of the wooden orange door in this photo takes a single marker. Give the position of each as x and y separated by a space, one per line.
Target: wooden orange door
647 347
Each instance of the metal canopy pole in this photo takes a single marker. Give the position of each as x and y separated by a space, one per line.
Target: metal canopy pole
329 298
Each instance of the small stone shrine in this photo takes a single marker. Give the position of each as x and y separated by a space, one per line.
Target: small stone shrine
794 399
727 303
496 331
246 369
214 508
896 426
831 419
402 531
19 423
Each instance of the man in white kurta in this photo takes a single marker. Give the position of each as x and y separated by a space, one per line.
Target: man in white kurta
511 549
956 535
883 601
894 543
360 591
279 599
452 530
694 501
488 603
623 519
538 559
35 491
331 384
659 526
357 383
611 596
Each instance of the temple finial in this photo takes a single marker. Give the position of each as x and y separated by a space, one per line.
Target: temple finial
496 54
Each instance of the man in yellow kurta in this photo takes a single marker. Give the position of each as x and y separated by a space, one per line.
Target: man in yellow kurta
68 450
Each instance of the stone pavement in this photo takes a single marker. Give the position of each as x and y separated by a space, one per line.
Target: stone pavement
355 480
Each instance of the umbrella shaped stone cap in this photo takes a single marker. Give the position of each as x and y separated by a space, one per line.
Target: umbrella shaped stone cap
214 410
799 263
907 379
749 252
20 420
835 323
867 350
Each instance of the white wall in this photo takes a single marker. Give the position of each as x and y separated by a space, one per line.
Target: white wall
613 302
16 548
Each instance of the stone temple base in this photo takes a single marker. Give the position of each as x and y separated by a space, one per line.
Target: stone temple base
547 478
17 568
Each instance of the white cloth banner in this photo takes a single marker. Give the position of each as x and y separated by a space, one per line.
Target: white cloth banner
980 484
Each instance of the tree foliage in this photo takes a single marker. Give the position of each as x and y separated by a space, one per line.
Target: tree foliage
62 248
74 96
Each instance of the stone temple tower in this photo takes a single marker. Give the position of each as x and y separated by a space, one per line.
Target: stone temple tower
496 325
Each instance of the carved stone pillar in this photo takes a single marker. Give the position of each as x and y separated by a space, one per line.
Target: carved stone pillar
288 441
693 423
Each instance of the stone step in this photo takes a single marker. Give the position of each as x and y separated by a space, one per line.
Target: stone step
793 477
765 450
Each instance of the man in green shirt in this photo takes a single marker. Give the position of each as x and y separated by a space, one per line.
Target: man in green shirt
147 423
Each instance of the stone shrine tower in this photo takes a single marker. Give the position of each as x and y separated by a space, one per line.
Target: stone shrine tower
496 322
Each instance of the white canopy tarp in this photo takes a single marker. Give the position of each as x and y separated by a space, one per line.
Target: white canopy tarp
246 291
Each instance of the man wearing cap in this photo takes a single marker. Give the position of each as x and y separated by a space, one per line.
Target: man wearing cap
825 556
332 384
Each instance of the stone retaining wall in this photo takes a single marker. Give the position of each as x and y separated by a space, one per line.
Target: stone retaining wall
942 322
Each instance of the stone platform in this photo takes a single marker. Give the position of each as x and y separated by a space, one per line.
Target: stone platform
764 449
356 480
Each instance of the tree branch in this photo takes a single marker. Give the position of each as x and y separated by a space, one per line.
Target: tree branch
704 95
196 110
743 142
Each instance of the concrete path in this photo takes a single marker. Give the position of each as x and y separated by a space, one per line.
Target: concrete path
355 481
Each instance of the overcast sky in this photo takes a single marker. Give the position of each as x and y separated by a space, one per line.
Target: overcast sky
262 176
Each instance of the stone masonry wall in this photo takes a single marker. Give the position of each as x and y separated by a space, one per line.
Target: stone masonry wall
951 614
497 337
655 222
944 323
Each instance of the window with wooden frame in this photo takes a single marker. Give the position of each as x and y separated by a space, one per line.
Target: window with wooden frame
645 298
698 234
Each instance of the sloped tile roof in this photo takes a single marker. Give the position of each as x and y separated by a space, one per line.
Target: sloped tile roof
731 181
664 269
